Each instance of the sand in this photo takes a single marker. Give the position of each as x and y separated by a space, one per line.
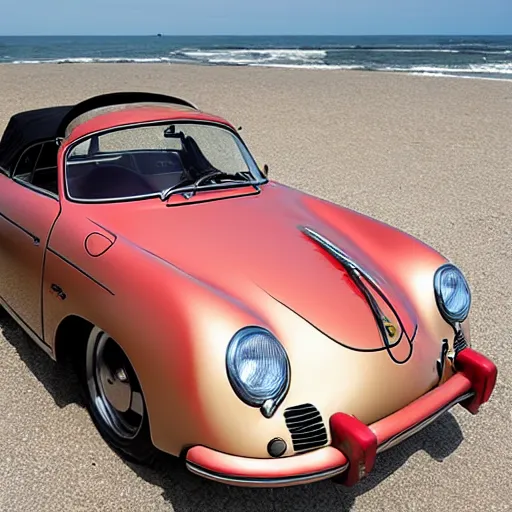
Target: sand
432 156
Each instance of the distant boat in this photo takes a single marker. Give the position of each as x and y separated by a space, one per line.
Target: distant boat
159 35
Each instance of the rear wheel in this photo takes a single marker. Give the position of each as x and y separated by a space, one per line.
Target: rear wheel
114 398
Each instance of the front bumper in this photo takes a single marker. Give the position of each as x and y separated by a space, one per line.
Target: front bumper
355 445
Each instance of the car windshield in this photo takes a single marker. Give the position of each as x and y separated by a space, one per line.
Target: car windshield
147 160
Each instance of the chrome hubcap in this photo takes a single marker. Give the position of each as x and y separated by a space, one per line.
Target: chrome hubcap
113 385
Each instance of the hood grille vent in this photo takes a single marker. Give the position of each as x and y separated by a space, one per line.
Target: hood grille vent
306 427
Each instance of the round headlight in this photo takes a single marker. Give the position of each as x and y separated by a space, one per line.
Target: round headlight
452 293
257 366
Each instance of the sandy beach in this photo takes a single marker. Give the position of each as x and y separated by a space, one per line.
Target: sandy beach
432 156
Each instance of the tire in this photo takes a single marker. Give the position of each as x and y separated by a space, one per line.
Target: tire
114 398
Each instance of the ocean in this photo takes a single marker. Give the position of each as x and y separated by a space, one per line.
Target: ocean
462 56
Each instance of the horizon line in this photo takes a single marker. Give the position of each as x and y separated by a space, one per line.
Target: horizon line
163 34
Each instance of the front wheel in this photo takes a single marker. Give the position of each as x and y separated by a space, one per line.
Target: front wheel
114 398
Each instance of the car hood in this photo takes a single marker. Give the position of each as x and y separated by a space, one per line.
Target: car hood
282 242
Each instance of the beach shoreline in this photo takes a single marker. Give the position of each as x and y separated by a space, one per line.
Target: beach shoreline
153 62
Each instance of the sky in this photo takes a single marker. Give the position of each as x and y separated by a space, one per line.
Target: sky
255 17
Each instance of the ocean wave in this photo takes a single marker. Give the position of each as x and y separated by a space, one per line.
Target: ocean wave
442 50
471 77
412 61
348 67
477 70
96 60
333 57
251 56
412 50
505 69
356 49
274 52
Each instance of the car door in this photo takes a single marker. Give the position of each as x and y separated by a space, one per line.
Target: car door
29 207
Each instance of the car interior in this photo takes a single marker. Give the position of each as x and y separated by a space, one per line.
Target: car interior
123 175
109 175
38 166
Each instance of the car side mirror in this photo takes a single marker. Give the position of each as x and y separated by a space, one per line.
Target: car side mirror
265 170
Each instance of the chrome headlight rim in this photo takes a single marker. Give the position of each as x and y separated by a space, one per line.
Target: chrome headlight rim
270 403
451 317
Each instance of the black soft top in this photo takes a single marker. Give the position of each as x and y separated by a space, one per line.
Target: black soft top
46 124
28 128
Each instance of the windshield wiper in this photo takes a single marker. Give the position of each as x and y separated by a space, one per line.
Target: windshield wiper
235 180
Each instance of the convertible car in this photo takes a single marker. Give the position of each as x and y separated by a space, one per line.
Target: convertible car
264 336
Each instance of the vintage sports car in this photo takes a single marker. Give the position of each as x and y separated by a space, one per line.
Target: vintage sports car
265 336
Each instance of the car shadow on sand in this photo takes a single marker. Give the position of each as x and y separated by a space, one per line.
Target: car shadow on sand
185 492
58 379
188 493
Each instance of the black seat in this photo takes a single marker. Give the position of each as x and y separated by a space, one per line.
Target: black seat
109 181
195 157
157 162
46 178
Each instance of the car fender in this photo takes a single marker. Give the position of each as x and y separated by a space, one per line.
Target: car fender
159 315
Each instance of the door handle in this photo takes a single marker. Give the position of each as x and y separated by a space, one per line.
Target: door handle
58 290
